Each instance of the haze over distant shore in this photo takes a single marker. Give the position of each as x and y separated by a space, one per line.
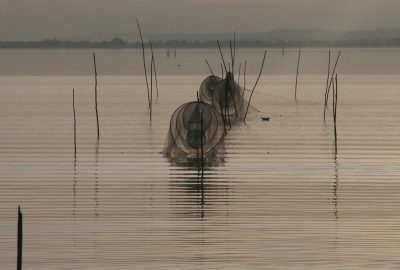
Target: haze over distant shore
276 38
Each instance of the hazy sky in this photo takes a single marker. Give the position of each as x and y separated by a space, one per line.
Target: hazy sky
37 19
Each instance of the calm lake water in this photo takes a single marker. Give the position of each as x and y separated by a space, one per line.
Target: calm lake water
279 198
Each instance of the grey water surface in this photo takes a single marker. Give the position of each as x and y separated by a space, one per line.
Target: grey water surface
279 198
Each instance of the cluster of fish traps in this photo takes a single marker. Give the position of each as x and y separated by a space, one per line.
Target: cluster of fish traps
198 128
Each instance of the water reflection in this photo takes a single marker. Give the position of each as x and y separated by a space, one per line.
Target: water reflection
74 182
335 188
86 202
96 180
193 187
96 201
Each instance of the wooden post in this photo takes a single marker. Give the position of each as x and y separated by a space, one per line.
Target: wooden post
209 67
254 88
232 58
20 238
244 78
334 98
201 145
327 81
330 83
151 87
95 95
223 116
297 75
154 66
73 107
222 56
240 69
144 61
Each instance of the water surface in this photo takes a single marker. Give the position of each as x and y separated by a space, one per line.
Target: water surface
279 198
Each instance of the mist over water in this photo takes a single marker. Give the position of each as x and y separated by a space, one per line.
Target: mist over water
277 199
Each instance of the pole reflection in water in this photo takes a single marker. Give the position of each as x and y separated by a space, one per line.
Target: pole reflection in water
96 200
335 188
193 193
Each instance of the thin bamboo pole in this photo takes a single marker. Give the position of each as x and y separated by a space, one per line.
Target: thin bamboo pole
209 67
297 75
19 239
334 98
144 61
254 88
244 78
327 80
201 145
240 70
73 107
330 83
95 96
222 56
151 87
154 66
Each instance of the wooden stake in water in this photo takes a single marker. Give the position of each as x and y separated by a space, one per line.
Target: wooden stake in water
95 95
209 67
240 69
19 240
297 75
334 101
73 107
226 102
234 45
201 145
327 81
223 116
232 61
329 70
144 61
151 87
222 57
254 88
154 66
330 83
244 78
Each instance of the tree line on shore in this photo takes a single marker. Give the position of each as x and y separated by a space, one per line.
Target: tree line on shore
118 43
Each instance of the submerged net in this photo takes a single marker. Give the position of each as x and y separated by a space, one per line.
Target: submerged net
195 127
225 95
207 88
